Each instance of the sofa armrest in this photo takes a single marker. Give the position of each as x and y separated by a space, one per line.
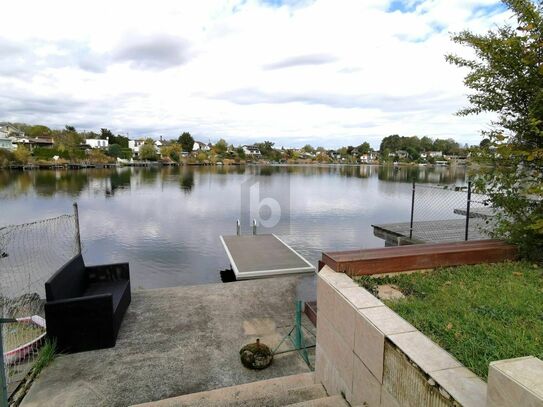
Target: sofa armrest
108 272
81 323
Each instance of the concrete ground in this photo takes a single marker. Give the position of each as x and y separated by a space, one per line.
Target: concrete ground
177 341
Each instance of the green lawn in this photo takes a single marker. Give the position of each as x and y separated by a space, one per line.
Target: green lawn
478 313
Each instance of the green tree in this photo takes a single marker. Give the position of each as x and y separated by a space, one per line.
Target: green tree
38 131
506 78
147 150
221 146
186 141
106 134
21 154
266 148
308 148
241 153
114 150
364 148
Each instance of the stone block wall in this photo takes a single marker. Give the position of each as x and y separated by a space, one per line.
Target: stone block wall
373 357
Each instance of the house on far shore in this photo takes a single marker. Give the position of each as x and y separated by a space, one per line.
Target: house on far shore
431 154
8 130
401 154
31 143
369 157
199 146
135 145
97 143
7 144
252 151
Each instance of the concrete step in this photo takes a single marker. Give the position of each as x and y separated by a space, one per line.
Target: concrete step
331 401
277 392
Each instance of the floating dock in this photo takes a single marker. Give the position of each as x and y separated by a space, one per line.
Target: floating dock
430 231
257 256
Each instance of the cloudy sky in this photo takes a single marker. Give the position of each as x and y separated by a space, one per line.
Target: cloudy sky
325 72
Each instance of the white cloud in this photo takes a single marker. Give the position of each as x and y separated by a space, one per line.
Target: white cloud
327 72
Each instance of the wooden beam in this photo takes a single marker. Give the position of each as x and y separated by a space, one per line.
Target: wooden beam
418 257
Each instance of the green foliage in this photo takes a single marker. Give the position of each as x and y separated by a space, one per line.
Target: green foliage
120 140
5 158
478 313
38 131
186 141
240 152
364 148
105 134
147 151
266 149
220 147
68 141
308 148
393 143
506 77
114 150
172 151
21 154
45 356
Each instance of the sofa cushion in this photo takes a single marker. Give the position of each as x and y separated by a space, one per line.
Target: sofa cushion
115 288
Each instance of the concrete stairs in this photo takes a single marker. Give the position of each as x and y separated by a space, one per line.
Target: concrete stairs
294 391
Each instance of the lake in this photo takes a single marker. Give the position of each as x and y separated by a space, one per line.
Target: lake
167 221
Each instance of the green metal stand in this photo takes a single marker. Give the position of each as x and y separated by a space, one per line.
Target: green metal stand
3 379
296 336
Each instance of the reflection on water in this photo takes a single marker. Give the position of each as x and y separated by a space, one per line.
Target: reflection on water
167 221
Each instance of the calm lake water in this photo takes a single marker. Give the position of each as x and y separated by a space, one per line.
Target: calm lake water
167 221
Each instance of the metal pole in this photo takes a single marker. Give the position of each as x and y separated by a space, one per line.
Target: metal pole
298 326
467 210
412 212
77 231
238 228
3 380
254 226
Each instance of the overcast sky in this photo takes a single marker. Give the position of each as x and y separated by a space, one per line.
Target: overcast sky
330 72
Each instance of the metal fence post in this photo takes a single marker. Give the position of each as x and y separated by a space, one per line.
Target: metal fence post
412 212
3 379
77 230
468 203
254 226
298 326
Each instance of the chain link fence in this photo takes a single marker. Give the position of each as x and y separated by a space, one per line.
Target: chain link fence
29 254
449 213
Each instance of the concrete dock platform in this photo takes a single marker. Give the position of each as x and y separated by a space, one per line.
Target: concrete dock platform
177 341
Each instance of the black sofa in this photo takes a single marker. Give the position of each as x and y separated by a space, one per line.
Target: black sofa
85 305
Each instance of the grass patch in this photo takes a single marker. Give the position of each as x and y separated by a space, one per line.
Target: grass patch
45 356
478 313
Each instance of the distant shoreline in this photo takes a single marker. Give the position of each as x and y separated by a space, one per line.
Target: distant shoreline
156 164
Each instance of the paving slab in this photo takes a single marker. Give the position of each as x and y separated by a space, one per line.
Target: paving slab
176 341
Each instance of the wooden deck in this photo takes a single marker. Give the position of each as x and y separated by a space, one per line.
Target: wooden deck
255 256
418 257
430 231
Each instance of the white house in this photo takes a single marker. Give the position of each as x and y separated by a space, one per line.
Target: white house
7 130
251 150
135 145
368 157
199 146
7 144
431 154
97 143
400 153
